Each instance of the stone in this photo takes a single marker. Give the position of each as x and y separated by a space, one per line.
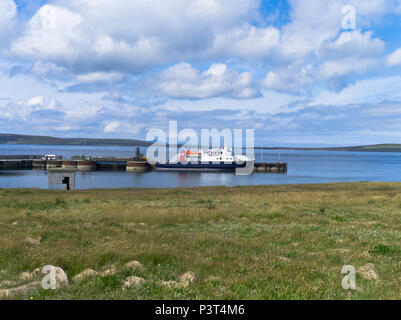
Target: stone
60 277
171 284
21 289
133 282
109 272
368 271
32 240
284 259
340 251
30 275
315 254
7 283
84 274
212 279
187 278
130 224
135 265
364 254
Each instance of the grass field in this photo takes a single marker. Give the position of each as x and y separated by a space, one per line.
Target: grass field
268 242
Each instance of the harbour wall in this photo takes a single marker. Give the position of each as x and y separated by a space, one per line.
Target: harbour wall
129 165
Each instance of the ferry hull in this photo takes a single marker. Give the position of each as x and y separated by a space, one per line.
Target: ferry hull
199 166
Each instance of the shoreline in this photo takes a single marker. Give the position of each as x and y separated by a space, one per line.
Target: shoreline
323 184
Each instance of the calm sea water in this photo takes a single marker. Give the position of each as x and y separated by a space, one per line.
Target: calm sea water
303 167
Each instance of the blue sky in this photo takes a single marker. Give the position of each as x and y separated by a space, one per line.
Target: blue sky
288 69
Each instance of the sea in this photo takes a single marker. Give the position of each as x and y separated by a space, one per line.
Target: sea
304 167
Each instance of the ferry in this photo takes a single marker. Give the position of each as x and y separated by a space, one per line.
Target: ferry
206 160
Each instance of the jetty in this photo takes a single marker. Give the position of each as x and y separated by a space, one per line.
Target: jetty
134 164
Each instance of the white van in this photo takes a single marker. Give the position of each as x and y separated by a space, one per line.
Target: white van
49 157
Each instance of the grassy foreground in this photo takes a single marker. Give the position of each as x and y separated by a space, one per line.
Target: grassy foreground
268 242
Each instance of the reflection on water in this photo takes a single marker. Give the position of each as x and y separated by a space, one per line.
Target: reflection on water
303 167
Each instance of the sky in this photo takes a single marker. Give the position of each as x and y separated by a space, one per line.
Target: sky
298 72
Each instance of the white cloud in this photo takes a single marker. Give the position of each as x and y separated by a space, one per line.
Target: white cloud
394 59
313 22
96 77
84 36
8 12
248 42
53 33
352 43
340 68
8 9
296 78
374 90
351 53
36 101
80 40
122 126
24 109
41 68
182 81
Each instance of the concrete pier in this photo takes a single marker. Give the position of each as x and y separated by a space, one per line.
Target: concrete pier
137 166
39 164
279 167
16 164
86 165
128 164
51 164
69 165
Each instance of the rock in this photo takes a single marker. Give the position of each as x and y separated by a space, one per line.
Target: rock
364 254
171 284
109 272
340 251
284 259
368 271
315 254
187 278
7 283
84 274
143 224
33 241
135 265
60 277
133 282
25 276
30 275
14 223
212 279
21 289
130 224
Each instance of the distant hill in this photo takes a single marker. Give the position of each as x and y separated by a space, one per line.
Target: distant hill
44 140
368 148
